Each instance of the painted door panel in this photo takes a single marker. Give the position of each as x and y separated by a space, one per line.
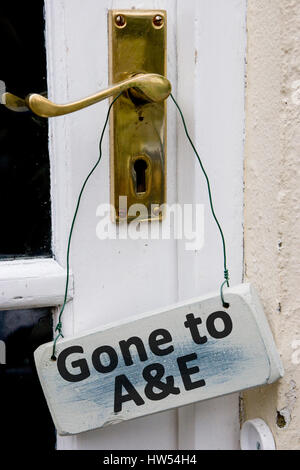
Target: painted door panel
121 278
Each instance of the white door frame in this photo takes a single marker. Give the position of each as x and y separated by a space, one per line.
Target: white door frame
213 103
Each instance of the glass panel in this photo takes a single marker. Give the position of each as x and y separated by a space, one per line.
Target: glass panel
25 419
24 163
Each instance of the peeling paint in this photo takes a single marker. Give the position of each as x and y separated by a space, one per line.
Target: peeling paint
283 418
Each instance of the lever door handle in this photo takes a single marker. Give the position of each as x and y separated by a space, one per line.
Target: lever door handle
150 87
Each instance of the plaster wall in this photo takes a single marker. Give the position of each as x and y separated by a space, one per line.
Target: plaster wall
272 200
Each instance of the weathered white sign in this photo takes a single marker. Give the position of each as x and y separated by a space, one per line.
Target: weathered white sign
188 352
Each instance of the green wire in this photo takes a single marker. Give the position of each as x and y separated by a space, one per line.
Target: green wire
226 272
59 323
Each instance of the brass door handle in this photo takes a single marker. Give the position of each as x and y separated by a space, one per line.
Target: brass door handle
149 87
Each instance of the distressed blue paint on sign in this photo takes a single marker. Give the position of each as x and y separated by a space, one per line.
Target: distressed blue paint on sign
188 352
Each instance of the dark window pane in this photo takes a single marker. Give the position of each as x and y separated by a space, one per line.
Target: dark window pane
25 420
25 228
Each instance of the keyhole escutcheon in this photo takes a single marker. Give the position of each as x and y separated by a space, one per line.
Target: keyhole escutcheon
140 166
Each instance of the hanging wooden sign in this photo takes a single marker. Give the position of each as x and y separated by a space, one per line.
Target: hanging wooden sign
186 353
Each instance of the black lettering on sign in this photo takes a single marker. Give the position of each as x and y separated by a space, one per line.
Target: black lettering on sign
155 382
227 322
192 323
186 372
120 382
81 363
138 343
155 342
113 359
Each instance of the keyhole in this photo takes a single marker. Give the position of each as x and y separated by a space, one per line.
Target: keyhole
140 167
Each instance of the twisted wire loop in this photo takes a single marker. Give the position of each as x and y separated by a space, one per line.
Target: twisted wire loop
226 272
226 277
59 325
60 334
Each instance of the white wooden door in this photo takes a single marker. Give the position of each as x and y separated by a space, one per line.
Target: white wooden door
115 279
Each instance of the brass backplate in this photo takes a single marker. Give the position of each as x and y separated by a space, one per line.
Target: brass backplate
137 44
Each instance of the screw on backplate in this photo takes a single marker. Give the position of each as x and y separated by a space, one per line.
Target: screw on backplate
158 20
156 210
120 21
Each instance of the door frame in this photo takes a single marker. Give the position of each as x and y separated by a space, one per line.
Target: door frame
216 66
